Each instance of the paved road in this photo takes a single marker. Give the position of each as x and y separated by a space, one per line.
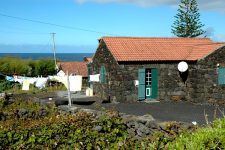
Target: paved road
165 111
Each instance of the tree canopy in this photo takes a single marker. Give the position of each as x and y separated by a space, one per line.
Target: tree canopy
27 67
187 23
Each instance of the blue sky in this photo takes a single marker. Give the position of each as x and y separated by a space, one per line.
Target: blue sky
146 18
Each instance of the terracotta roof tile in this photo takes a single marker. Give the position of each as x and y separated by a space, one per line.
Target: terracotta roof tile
159 49
78 68
202 51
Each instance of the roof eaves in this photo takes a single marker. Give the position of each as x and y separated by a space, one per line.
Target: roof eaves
123 61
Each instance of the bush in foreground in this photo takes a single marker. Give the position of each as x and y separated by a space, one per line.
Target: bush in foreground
29 125
204 138
55 130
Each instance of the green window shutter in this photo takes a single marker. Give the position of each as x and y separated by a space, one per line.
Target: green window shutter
221 76
141 86
154 83
103 74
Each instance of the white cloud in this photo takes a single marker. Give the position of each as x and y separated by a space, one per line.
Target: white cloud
209 32
136 2
215 5
221 38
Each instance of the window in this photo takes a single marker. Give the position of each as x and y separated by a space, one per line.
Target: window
221 76
102 74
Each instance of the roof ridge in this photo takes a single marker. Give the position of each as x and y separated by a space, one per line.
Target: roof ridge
140 37
158 48
71 62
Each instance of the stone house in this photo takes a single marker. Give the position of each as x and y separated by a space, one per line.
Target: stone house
122 61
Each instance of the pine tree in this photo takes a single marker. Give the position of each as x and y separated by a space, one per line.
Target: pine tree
187 23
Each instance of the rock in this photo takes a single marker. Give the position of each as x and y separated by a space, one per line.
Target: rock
152 124
145 118
136 125
2 95
131 132
176 98
122 115
137 137
2 116
42 113
97 128
126 117
131 124
73 109
69 109
140 133
139 119
142 128
21 112
147 131
91 111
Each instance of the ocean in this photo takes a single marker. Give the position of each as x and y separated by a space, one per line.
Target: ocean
59 56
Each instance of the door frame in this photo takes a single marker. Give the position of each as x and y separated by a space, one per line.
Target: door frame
143 89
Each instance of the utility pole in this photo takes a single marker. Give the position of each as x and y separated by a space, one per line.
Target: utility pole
53 48
68 89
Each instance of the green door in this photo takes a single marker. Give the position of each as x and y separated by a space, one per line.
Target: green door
148 84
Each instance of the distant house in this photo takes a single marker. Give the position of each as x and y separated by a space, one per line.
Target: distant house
74 68
87 59
136 68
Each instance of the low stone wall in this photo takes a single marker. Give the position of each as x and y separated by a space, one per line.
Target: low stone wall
138 127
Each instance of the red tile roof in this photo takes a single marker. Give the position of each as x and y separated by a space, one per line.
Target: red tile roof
159 49
78 68
201 51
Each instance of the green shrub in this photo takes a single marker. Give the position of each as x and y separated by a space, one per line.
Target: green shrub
45 67
57 130
14 65
27 67
204 138
5 85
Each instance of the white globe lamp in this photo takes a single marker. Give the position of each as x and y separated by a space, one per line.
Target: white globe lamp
182 66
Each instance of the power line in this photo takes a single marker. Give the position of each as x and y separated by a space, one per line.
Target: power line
53 24
16 30
24 33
